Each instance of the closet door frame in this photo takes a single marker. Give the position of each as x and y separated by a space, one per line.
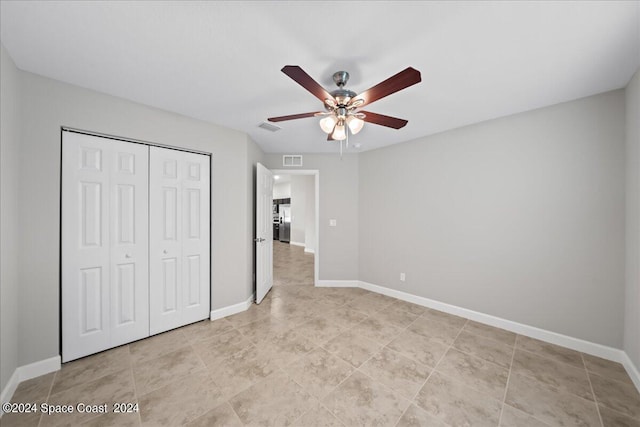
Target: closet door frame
64 129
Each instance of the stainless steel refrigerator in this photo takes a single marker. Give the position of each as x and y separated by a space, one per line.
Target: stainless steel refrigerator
284 212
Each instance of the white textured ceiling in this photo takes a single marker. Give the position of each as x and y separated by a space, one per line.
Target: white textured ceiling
220 61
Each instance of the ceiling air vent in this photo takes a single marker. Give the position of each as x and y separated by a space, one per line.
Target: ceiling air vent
269 127
292 160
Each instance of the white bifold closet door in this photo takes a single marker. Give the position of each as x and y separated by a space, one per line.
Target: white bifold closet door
179 258
105 283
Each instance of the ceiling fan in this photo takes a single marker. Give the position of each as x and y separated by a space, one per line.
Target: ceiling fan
342 114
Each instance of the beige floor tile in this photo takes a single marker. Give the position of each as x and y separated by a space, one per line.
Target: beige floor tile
30 419
180 401
351 347
112 419
91 368
212 351
474 372
484 348
155 373
261 330
253 314
34 390
456 404
616 419
345 316
399 373
157 345
550 406
116 387
410 307
377 330
430 328
318 416
446 318
277 400
319 372
242 370
548 372
606 368
551 351
368 305
416 417
396 316
287 347
359 400
320 329
512 417
222 415
426 350
206 329
616 395
496 334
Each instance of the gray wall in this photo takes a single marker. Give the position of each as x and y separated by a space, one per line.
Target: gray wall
338 200
49 104
520 217
632 297
9 155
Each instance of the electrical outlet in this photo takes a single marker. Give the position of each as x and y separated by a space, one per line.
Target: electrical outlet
403 277
333 223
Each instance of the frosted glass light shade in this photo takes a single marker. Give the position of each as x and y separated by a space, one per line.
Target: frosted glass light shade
339 133
328 123
355 124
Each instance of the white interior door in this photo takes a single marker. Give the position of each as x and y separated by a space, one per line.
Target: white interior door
179 238
104 244
264 232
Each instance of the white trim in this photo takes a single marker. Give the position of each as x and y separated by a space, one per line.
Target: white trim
577 344
27 372
632 369
309 251
296 243
10 388
338 284
232 309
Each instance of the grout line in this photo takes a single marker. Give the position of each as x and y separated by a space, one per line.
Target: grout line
53 381
593 393
506 386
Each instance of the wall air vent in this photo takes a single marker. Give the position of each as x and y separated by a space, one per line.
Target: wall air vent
292 160
270 127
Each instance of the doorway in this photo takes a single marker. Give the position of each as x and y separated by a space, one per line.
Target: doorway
296 227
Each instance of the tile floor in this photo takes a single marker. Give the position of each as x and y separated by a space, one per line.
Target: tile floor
338 357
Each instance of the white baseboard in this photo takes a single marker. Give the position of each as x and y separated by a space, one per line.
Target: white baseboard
631 369
10 388
27 372
232 309
296 243
338 284
577 344
309 251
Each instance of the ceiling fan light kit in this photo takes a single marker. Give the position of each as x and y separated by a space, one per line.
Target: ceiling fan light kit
341 115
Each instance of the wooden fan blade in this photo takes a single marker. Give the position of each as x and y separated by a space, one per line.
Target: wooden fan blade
293 117
330 138
382 120
393 84
305 80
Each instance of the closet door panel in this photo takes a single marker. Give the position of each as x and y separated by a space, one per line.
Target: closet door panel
85 246
179 238
196 237
129 239
165 245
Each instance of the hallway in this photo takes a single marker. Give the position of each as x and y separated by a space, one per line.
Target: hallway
291 266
